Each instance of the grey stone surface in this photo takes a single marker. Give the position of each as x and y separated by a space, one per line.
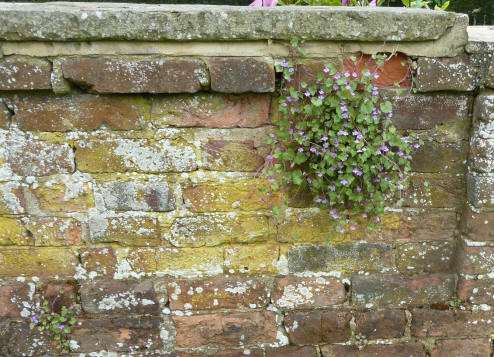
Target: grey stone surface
88 21
480 39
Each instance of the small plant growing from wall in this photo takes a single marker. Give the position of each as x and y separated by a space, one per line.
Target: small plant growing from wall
57 325
335 138
360 341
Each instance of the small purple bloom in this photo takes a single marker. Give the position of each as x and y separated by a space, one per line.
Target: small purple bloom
324 138
416 145
284 64
347 74
354 75
307 93
364 215
378 219
261 199
344 182
271 180
291 70
61 326
332 187
334 214
359 189
337 76
301 133
376 76
34 319
342 132
309 180
300 149
336 87
326 69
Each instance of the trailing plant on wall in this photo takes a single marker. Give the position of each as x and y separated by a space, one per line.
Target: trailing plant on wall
55 324
335 138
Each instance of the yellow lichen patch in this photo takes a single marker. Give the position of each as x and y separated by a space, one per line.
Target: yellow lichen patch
12 232
53 231
216 229
242 195
11 198
252 259
189 261
64 193
41 262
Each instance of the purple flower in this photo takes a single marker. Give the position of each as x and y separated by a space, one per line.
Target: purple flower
332 187
345 2
264 3
359 189
34 319
340 165
416 145
334 214
284 104
378 152
367 73
284 64
261 199
321 96
354 75
364 215
309 180
332 154
271 180
61 326
289 98
291 70
324 138
342 132
357 171
326 69
376 76
269 157
307 93
301 133
377 219
347 74
300 149
405 140
335 87
344 182
337 76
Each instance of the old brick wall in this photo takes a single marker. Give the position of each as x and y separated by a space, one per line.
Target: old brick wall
128 176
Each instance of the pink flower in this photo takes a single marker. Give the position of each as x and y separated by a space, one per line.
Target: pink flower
264 3
345 2
373 3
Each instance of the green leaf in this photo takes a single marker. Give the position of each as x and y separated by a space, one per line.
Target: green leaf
386 107
316 101
276 210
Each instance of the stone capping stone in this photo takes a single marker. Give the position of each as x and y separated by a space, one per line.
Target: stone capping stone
64 21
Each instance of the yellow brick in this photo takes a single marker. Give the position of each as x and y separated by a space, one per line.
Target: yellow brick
251 259
12 232
190 261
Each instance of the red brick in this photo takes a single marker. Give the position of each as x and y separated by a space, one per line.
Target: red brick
297 292
476 291
230 329
217 293
27 156
306 351
421 111
480 188
118 334
4 116
476 260
393 290
481 153
54 231
440 157
477 226
211 110
119 297
381 323
232 155
462 348
393 71
310 327
409 349
241 75
21 73
19 340
80 112
451 323
430 256
490 76
12 297
136 74
99 260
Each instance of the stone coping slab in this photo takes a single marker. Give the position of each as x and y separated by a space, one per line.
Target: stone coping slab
63 21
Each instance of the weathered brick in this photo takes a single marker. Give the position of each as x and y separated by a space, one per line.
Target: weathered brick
11 198
440 157
138 196
341 257
480 188
490 77
211 110
217 293
140 155
80 112
232 155
54 231
243 195
21 73
230 329
394 71
445 191
317 326
483 108
63 193
251 259
451 323
475 260
422 111
42 262
477 226
241 75
18 339
381 323
430 256
121 334
99 261
176 262
455 73
216 229
482 155
298 292
239 353
139 230
392 290
477 292
136 74
409 349
12 297
307 351
480 347
27 156
13 232
119 297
